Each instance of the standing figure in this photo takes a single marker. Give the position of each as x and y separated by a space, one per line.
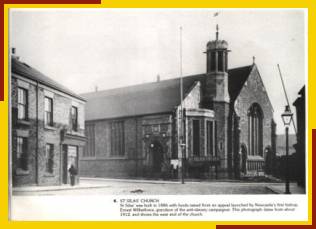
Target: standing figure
73 172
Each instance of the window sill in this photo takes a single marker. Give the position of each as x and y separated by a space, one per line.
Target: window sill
103 158
24 122
21 172
114 158
77 133
88 158
117 156
47 127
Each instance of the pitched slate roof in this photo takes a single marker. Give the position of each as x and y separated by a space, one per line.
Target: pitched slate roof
151 98
22 69
236 79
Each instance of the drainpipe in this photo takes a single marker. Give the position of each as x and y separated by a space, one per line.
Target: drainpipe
60 156
37 140
136 145
60 163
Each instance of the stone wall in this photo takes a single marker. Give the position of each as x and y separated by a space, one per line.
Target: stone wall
139 133
252 92
221 110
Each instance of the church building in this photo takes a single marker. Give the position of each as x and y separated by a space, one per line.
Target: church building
222 128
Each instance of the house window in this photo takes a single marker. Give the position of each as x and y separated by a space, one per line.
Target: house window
49 157
48 111
74 118
117 139
196 137
22 103
255 116
22 157
90 144
210 138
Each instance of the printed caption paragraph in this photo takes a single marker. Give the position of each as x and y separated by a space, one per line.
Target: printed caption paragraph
151 207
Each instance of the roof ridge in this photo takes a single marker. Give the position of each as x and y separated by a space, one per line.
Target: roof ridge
151 97
140 84
20 68
153 82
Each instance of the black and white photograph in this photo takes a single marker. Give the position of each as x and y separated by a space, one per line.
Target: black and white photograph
145 103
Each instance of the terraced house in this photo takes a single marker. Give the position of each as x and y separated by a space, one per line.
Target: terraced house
47 134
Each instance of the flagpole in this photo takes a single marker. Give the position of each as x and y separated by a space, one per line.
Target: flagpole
181 112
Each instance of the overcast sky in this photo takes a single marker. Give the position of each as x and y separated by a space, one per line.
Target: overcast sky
111 48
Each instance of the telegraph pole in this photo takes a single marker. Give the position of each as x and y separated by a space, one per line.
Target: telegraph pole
287 99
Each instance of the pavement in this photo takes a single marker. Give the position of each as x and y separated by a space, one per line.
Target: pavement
128 186
87 183
280 188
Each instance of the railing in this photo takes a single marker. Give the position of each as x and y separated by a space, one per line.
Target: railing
255 165
208 158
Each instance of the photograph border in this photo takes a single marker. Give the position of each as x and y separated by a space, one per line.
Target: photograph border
4 210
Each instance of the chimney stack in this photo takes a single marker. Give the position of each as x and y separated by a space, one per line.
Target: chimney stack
158 78
13 52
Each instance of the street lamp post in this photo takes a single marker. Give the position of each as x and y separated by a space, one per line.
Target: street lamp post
287 118
182 162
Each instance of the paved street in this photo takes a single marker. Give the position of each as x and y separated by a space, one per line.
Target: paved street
127 187
92 199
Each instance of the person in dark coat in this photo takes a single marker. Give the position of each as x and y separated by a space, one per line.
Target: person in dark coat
73 172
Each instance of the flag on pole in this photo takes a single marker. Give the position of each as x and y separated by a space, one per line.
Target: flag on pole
216 14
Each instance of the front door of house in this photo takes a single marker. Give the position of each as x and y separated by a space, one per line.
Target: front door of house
64 164
70 157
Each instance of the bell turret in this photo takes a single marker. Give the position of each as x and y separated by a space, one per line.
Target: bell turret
216 96
216 70
217 53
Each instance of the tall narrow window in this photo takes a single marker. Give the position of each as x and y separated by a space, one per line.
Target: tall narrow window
215 138
48 111
22 157
210 138
74 118
220 61
213 61
22 103
255 117
196 137
49 157
117 139
90 144
208 62
226 61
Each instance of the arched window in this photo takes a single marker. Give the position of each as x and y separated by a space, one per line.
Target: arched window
255 117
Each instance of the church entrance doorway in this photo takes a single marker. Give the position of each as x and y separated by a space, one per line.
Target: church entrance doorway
157 153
